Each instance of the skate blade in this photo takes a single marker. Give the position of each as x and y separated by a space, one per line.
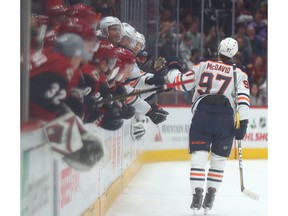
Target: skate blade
195 212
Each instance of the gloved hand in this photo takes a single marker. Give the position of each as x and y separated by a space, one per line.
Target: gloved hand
127 111
137 131
157 114
92 109
239 133
90 154
111 124
174 62
156 79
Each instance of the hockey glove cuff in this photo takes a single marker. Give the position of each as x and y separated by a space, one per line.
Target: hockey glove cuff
239 133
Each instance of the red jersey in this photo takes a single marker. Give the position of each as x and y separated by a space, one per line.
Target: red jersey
50 75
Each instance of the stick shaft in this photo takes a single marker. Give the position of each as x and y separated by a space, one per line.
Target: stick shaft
158 88
246 192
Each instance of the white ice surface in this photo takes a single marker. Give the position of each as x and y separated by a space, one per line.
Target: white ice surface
163 189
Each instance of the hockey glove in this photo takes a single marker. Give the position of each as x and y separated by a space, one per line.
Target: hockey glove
157 114
137 131
92 109
90 154
127 111
110 123
240 132
174 62
156 79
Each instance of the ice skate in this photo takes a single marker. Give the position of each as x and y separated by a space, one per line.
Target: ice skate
197 200
209 199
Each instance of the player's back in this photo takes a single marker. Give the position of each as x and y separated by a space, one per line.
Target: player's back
213 77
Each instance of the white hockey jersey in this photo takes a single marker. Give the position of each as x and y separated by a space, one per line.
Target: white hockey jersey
137 81
215 77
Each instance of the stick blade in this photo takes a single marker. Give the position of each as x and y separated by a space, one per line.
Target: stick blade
250 194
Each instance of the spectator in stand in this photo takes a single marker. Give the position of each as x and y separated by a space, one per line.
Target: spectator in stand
166 29
242 14
260 26
241 32
256 98
106 7
194 58
264 10
256 43
245 52
187 20
195 35
166 15
185 47
167 48
211 41
257 72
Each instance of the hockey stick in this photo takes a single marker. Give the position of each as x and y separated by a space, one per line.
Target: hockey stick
158 88
246 192
40 37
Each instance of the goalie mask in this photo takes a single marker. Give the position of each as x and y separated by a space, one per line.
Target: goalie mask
228 47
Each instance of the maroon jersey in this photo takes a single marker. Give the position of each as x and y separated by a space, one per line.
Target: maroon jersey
50 76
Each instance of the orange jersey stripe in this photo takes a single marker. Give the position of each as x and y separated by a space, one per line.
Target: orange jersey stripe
197 174
215 175
129 99
133 83
178 80
243 98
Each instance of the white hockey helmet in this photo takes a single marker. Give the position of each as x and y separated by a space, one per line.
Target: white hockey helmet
129 32
108 21
140 39
228 47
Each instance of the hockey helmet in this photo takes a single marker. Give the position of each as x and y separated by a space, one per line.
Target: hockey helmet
86 13
125 62
105 52
128 36
79 27
140 45
107 22
228 47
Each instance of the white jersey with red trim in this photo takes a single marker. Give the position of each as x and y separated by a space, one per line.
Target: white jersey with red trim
140 105
137 80
215 77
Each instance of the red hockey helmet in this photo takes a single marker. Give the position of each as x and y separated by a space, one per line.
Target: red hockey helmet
105 52
79 27
125 63
57 10
124 55
86 13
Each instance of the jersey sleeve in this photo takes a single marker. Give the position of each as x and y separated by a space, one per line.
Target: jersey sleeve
175 76
140 105
243 96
